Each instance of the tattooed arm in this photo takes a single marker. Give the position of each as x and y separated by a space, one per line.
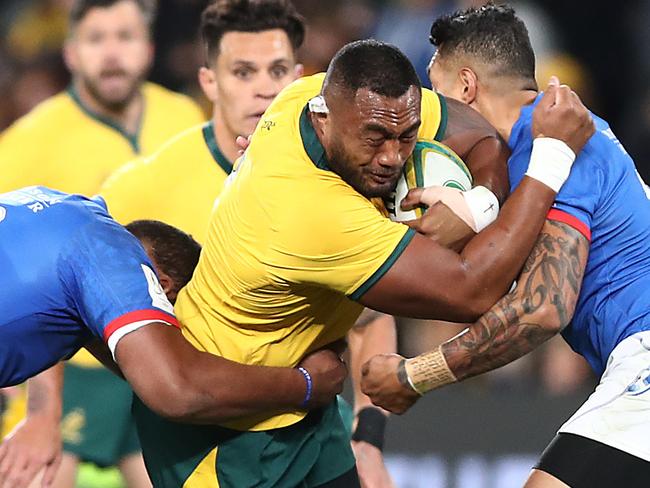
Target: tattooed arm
540 307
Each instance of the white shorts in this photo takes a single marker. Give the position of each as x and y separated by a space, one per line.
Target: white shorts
617 413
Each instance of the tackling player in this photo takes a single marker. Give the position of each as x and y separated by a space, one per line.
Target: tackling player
71 274
588 276
295 248
72 142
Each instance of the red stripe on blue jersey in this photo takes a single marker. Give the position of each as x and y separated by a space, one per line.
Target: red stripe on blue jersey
567 218
139 316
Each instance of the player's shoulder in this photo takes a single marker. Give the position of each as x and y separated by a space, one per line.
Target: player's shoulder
178 104
48 115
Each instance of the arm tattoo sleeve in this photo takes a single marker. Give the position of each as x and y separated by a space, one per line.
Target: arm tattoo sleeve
540 306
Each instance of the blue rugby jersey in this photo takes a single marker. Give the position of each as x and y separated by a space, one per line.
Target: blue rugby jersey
606 200
68 272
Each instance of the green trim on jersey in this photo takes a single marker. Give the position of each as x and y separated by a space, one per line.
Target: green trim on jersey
442 127
310 142
211 141
133 139
376 276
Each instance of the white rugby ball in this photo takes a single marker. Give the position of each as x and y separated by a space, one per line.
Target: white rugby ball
431 164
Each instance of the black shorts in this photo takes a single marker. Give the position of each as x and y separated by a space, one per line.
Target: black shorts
584 463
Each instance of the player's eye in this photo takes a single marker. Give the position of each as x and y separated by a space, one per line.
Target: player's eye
278 72
243 73
125 36
375 142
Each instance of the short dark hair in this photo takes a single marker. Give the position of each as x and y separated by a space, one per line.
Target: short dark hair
224 16
81 7
175 252
492 33
380 67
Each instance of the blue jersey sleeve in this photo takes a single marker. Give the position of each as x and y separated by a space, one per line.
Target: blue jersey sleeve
577 200
111 281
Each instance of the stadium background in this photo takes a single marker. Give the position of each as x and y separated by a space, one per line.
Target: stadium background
485 433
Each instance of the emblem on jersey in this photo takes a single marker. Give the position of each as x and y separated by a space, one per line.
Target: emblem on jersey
157 294
641 385
3 213
268 124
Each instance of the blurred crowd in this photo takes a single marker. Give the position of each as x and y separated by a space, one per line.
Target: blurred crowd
602 50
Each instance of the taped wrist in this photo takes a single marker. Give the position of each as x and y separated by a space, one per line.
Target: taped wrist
371 427
428 371
550 162
483 205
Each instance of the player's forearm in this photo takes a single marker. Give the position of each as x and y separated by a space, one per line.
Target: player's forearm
494 257
44 393
374 333
541 305
218 389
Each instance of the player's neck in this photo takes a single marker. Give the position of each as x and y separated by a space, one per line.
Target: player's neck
226 139
502 111
127 118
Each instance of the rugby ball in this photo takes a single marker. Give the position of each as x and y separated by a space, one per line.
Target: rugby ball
431 164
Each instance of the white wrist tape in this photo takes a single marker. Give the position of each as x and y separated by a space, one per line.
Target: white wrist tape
483 205
550 162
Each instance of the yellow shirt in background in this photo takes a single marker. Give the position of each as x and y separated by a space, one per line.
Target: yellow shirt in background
178 184
62 144
290 247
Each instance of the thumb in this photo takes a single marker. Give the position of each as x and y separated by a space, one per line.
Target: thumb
553 81
412 199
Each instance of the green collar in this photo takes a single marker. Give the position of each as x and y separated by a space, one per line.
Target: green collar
211 141
133 139
442 127
310 142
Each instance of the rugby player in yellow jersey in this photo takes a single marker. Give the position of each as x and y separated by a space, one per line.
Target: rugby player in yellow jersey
250 48
72 142
295 249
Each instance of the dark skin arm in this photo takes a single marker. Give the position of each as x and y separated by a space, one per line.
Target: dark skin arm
429 281
184 384
480 146
540 307
486 155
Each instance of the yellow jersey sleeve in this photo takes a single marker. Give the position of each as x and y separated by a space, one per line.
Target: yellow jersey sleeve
341 242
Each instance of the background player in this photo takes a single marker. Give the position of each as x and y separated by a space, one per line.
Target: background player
588 276
72 142
93 279
300 264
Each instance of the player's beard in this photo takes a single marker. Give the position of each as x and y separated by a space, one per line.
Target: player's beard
113 102
357 176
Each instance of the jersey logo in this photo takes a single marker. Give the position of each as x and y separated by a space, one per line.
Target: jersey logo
3 213
641 385
157 294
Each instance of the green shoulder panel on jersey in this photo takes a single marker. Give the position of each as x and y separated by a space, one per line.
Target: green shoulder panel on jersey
133 139
211 141
442 128
376 276
310 142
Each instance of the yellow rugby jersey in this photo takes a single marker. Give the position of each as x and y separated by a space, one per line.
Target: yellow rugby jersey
62 144
290 247
177 185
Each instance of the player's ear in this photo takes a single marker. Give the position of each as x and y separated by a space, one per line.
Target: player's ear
70 55
298 71
320 123
208 82
167 285
469 85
